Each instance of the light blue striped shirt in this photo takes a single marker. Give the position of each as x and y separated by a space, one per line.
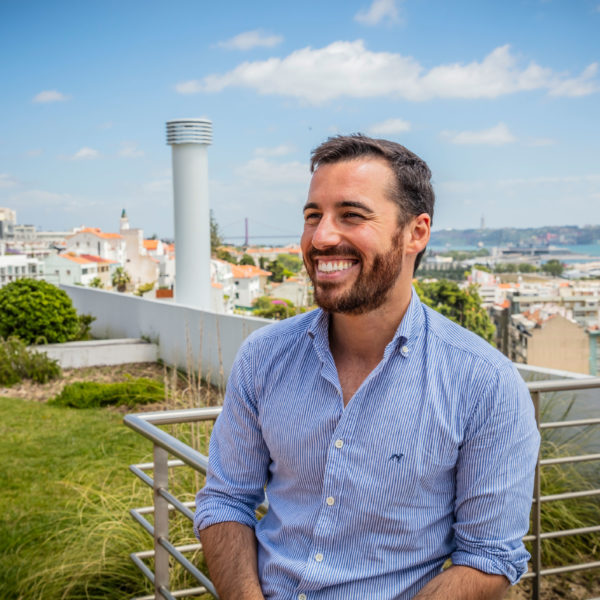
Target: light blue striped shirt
433 457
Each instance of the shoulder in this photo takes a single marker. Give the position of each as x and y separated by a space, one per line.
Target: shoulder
281 335
455 340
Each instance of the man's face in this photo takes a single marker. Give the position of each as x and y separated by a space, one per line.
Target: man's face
352 244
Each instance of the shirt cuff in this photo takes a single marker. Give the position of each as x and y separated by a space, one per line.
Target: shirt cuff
209 513
491 564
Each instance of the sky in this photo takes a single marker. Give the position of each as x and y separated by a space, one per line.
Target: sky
502 99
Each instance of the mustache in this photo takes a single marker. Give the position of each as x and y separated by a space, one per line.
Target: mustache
346 250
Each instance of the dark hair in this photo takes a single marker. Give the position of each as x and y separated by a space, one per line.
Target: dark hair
413 192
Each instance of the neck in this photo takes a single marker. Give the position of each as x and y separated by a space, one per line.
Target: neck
365 336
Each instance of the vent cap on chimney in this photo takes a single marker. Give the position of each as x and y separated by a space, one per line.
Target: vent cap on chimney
189 131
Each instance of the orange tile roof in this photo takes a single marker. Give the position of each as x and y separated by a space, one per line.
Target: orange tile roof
247 271
98 259
151 244
216 284
76 259
97 231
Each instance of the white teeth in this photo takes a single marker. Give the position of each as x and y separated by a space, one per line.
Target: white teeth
328 267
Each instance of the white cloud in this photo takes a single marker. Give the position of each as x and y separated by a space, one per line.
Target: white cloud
389 127
44 199
189 87
494 136
130 150
251 39
350 69
7 181
267 173
280 150
578 86
50 96
85 153
377 12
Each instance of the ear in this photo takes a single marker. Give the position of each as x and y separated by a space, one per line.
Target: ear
417 234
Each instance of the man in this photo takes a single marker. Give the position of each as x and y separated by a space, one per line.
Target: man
388 439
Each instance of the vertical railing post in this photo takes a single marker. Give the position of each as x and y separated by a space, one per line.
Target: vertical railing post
536 553
161 521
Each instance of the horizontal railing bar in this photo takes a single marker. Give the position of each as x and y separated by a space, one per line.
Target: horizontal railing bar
564 385
576 423
177 504
570 495
195 591
150 465
139 473
568 569
145 510
143 522
564 533
184 415
569 459
188 566
184 548
142 567
188 455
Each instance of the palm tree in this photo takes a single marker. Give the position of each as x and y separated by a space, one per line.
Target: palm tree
120 279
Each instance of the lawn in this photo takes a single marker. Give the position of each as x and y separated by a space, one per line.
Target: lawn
64 529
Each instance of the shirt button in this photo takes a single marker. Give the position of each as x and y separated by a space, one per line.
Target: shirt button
318 557
330 500
301 596
404 350
339 443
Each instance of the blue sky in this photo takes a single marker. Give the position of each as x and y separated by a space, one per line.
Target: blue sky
501 99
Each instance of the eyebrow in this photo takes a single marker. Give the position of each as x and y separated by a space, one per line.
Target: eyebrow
343 204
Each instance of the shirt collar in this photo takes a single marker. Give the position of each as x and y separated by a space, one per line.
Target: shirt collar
408 331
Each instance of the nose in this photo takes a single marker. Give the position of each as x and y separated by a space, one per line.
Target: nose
326 234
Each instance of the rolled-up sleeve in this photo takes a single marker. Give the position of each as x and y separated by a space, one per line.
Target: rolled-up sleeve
238 456
494 478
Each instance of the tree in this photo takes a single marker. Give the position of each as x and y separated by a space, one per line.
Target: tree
274 308
144 287
278 271
553 267
247 260
216 239
290 262
96 283
120 279
463 306
37 311
225 255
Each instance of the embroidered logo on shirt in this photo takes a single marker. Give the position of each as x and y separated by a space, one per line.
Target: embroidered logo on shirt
396 457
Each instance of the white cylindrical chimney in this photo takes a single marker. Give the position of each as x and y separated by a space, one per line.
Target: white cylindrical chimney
189 139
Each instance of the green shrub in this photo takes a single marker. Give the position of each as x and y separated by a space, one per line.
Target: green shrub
37 311
17 363
90 394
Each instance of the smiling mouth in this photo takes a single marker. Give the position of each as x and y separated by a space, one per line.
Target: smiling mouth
330 266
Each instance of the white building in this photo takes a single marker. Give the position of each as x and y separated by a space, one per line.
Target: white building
142 266
92 240
249 282
71 269
19 266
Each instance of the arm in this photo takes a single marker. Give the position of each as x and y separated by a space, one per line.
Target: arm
494 477
225 507
237 578
464 583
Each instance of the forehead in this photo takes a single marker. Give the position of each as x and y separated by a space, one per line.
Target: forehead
363 178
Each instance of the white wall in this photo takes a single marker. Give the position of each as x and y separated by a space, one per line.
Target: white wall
216 337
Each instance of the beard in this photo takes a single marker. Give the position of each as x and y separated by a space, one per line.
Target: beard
372 286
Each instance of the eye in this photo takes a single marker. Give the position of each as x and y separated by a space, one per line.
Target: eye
353 215
311 217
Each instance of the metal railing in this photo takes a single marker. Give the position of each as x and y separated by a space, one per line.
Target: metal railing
147 424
